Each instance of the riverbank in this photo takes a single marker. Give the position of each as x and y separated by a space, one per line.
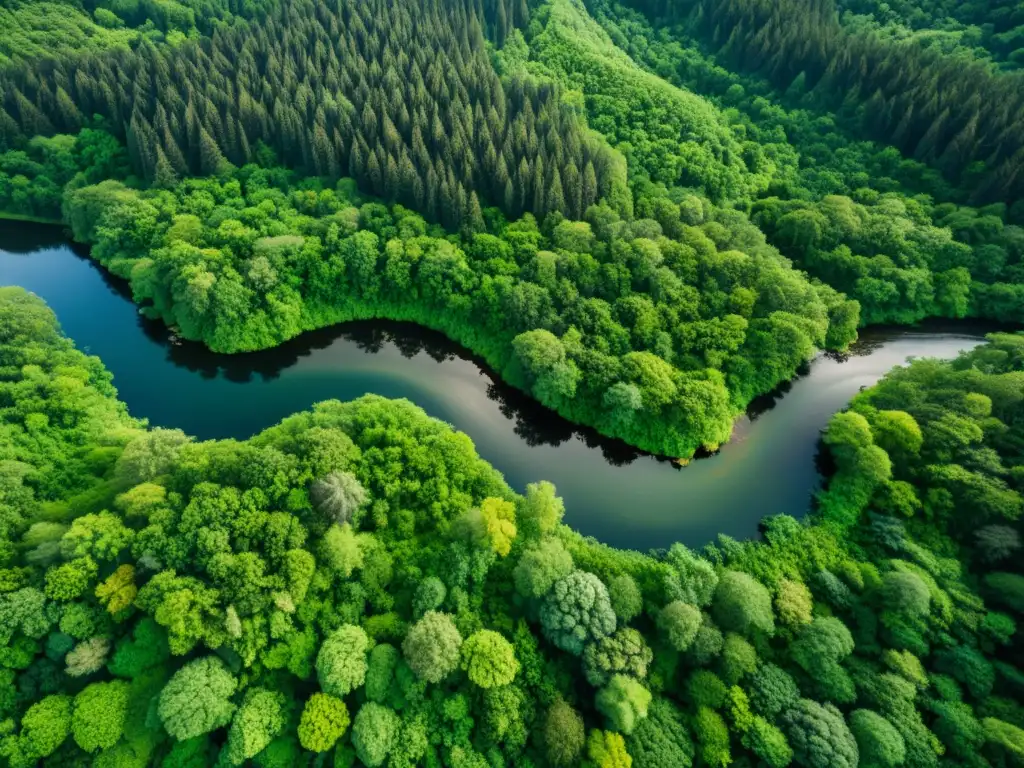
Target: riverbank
613 492
8 216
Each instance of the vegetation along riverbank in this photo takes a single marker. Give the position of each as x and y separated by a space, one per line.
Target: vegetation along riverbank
644 215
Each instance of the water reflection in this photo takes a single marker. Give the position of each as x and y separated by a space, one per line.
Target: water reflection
613 492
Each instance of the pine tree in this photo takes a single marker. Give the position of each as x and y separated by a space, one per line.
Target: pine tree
70 117
357 164
323 153
375 174
211 159
589 186
556 198
164 176
32 121
540 195
10 134
474 218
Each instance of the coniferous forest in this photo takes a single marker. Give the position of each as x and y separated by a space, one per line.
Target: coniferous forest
644 214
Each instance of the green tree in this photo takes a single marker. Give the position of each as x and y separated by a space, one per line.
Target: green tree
772 690
197 699
697 578
577 611
540 567
23 611
705 689
44 727
340 551
1004 738
970 667
380 671
624 702
563 734
793 604
489 659
540 511
98 716
880 744
742 605
768 742
713 737
374 733
430 594
661 739
738 659
897 433
341 662
906 593
432 647
549 373
625 596
324 720
679 623
607 750
822 643
257 721
623 652
150 455
819 736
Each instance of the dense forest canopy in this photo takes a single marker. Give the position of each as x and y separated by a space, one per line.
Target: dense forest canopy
650 330
355 584
643 214
887 230
986 30
400 96
53 28
946 110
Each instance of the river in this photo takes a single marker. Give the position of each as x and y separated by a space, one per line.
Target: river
611 491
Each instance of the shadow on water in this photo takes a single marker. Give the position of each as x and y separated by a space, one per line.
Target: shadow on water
612 492
534 423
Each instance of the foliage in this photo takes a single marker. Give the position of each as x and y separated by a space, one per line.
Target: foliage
880 744
98 716
661 739
489 659
540 567
259 718
374 733
197 699
679 622
819 736
575 324
577 611
624 652
324 721
563 734
624 702
432 647
341 662
337 496
742 604
256 615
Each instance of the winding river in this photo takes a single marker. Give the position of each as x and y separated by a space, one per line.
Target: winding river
611 492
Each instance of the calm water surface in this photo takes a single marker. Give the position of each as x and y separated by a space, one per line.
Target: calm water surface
611 492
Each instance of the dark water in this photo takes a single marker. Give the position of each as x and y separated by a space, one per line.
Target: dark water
611 491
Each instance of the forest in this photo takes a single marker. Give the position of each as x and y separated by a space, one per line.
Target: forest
356 584
645 214
659 341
